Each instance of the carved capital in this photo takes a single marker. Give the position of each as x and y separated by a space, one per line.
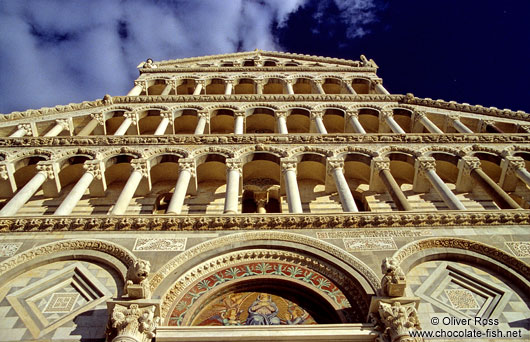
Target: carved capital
334 164
167 115
239 113
281 114
288 165
204 115
259 81
141 83
418 115
131 116
229 81
63 123
187 164
93 167
47 169
26 127
318 81
387 114
133 323
469 164
234 164
140 165
317 114
376 81
353 113
381 164
201 82
426 163
398 319
99 117
453 117
290 81
524 128
3 172
515 163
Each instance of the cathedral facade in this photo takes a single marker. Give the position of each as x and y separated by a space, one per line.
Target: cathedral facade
264 196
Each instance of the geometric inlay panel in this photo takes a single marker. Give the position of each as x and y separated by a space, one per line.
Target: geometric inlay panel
56 299
369 244
152 245
520 249
461 299
8 249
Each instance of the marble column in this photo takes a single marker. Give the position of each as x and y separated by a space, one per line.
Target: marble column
289 85
431 127
137 90
233 173
281 119
60 126
261 198
354 120
198 87
259 86
44 171
458 125
167 89
428 169
291 184
22 131
186 172
498 195
383 170
162 126
518 166
90 126
336 168
239 118
139 167
93 170
394 126
317 116
378 84
350 87
318 84
134 322
130 119
229 87
204 118
488 126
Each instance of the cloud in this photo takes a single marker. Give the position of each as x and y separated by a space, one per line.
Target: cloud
56 52
356 14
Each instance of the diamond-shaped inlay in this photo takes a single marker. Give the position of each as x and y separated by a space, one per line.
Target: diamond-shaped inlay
521 249
8 249
61 302
462 299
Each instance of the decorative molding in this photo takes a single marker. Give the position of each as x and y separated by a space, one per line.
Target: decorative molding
269 221
159 245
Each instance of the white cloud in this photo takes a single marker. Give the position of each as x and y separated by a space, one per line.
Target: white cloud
56 52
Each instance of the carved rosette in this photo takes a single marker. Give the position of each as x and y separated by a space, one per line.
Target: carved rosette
398 320
26 127
187 164
234 164
381 164
47 169
289 165
134 324
140 165
93 167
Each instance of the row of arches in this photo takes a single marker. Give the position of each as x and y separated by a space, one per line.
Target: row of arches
308 181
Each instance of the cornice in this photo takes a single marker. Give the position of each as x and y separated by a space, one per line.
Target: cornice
428 220
172 70
230 139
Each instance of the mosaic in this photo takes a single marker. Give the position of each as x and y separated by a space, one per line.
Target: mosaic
278 269
373 233
521 249
461 299
252 308
369 244
61 302
160 244
9 249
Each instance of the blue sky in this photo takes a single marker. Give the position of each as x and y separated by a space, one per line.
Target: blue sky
56 52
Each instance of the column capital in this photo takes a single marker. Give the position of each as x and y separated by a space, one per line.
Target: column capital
419 114
234 164
187 164
397 320
4 174
515 163
239 113
259 81
46 168
141 83
289 81
288 164
387 114
201 81
99 117
229 81
281 114
204 114
318 81
26 127
167 115
134 323
317 114
132 116
524 128
454 117
381 164
93 167
63 123
469 164
140 165
352 113
377 81
426 163
335 163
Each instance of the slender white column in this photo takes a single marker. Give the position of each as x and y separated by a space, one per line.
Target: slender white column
238 122
428 167
458 125
233 172
350 87
317 116
137 90
354 119
45 171
22 130
167 89
431 127
127 193
198 87
379 88
291 186
161 129
289 85
259 86
229 87
523 175
89 127
281 118
187 169
57 129
346 198
517 165
130 118
318 84
389 118
201 124
70 201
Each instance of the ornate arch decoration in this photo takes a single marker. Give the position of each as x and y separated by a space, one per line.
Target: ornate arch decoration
260 105
278 152
45 154
108 253
297 106
398 106
152 107
187 77
276 76
385 151
186 270
222 106
116 108
341 152
298 151
156 77
199 153
474 252
107 154
427 151
152 153
188 106
63 157
471 150
367 106
341 107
